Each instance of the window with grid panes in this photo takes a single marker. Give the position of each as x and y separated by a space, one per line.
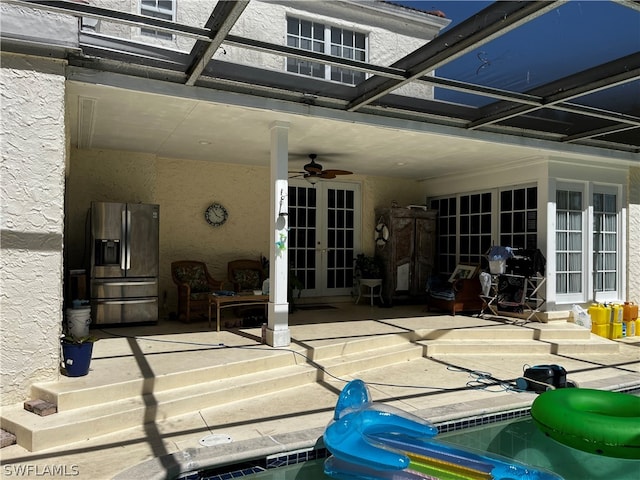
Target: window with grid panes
163 9
302 235
446 250
320 38
569 242
605 241
340 238
519 218
475 227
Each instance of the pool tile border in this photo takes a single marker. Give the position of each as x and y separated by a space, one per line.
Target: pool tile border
313 453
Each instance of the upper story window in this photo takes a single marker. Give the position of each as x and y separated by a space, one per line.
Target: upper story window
163 9
336 41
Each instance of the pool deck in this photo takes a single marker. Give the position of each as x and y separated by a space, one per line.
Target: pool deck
436 366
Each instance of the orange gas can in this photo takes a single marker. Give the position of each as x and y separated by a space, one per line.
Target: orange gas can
630 311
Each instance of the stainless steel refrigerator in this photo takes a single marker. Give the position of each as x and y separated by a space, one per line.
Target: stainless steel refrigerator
124 262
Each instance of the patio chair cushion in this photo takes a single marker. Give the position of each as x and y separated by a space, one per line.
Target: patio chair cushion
195 276
247 279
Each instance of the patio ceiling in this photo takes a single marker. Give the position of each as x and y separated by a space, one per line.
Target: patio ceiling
142 98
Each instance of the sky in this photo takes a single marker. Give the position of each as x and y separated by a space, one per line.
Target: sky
570 38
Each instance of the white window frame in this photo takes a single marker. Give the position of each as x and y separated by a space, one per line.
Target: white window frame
327 46
617 294
582 296
150 32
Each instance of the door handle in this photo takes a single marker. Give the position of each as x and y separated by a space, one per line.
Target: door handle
125 302
123 245
128 239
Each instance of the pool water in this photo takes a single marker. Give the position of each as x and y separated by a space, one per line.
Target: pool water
522 441
517 439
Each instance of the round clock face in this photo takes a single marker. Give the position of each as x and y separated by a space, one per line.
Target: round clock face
216 214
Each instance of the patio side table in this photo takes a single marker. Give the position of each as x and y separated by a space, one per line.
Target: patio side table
371 284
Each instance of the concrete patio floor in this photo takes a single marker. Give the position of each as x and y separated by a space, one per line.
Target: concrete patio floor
437 366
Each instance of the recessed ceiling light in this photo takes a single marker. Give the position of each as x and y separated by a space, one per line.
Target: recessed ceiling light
204 142
400 163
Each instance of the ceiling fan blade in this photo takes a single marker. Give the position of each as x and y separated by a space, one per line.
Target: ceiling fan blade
326 174
337 172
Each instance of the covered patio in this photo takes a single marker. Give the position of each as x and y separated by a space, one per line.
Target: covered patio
185 128
192 386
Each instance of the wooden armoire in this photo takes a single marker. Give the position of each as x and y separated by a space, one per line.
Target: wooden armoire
408 253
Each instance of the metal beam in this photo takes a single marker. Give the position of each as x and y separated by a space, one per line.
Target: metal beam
222 19
599 132
495 20
611 74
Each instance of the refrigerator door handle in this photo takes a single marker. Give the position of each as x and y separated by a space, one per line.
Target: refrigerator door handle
123 245
128 239
124 284
125 302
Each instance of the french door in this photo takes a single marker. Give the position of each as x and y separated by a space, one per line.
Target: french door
324 234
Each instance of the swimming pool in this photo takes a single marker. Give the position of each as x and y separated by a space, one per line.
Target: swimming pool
518 439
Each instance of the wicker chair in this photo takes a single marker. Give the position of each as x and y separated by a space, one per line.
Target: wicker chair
245 275
194 285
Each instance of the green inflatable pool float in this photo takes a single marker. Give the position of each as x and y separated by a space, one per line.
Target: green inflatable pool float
594 421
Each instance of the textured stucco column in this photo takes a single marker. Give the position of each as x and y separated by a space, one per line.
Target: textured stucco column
32 213
278 334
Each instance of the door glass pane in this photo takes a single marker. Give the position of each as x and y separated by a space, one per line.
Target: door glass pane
446 233
302 235
569 242
605 239
519 218
475 230
341 206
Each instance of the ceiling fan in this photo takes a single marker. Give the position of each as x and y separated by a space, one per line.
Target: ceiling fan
313 171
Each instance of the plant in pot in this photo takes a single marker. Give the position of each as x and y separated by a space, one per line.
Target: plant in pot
368 267
76 354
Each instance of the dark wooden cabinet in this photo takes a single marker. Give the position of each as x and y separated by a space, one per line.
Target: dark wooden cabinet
409 252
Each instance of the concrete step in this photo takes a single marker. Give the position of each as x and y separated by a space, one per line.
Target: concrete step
483 347
135 381
543 332
515 346
113 379
596 345
489 333
370 359
350 346
37 433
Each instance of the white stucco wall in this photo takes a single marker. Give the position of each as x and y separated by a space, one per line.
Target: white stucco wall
184 189
391 36
31 200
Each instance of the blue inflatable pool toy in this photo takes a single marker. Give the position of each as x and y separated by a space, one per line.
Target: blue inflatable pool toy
378 442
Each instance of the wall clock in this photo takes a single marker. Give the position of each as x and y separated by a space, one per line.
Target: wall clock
216 214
